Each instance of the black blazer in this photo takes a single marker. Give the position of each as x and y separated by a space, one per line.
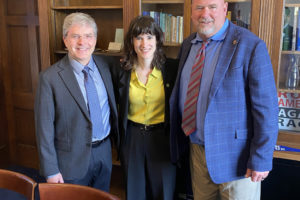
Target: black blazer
121 80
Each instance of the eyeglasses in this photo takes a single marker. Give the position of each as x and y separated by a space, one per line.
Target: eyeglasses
84 37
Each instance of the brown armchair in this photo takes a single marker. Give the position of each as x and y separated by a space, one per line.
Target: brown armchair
17 182
65 191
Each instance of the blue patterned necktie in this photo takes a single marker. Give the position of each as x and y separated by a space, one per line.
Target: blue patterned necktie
93 103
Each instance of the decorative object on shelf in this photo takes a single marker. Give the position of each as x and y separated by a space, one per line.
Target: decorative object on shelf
289 111
114 47
292 79
286 148
119 36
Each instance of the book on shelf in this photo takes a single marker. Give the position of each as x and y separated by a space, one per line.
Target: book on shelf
298 31
171 26
287 33
294 24
162 21
152 14
180 29
146 13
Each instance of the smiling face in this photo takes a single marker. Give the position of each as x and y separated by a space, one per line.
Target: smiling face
144 46
80 42
208 16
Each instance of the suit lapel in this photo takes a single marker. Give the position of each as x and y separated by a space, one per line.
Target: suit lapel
185 52
68 77
226 53
125 81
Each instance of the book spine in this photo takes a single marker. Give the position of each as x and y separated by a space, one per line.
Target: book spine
298 31
180 29
294 36
156 18
168 27
146 13
152 14
173 29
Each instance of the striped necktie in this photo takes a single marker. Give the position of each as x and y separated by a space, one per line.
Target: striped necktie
93 103
190 105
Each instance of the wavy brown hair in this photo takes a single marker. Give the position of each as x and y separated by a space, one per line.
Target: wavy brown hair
143 25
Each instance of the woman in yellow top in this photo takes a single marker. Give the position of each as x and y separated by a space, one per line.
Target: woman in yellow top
143 86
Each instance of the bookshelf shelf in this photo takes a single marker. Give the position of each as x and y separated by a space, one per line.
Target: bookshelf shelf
288 90
162 1
172 44
237 1
290 52
107 53
292 5
85 7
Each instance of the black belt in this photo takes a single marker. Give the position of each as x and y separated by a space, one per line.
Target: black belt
144 127
98 142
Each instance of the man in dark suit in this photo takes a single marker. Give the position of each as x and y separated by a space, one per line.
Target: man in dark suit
231 132
75 111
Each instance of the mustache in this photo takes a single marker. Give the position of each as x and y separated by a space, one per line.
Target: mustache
206 20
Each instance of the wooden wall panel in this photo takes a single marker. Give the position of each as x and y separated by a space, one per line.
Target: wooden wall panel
4 161
24 123
270 13
16 7
20 65
4 147
3 129
19 60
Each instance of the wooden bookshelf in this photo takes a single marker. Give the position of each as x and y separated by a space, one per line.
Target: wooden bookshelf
108 15
237 1
162 1
86 7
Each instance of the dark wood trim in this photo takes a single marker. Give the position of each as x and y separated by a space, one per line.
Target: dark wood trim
43 8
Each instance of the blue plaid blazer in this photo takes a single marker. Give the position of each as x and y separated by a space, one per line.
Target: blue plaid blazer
241 122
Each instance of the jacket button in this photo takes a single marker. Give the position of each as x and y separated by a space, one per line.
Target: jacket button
167 85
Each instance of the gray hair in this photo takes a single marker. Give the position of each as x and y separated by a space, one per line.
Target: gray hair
78 18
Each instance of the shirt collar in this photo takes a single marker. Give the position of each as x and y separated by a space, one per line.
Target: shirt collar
78 67
155 73
220 35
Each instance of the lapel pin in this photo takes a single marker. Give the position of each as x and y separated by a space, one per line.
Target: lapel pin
234 42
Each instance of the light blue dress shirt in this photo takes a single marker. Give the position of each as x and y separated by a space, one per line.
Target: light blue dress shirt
212 53
101 90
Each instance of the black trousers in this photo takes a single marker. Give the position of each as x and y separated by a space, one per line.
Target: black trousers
149 173
100 166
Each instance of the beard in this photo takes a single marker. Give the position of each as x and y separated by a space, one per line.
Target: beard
204 30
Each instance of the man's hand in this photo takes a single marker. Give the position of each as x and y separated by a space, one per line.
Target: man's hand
256 176
56 179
